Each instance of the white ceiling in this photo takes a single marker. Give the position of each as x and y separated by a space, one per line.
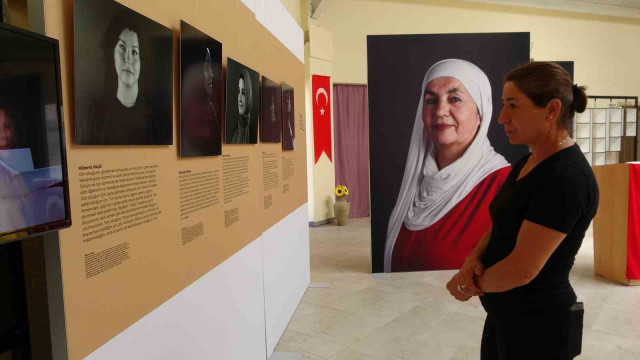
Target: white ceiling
620 8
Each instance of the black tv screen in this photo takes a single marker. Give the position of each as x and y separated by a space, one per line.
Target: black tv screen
34 192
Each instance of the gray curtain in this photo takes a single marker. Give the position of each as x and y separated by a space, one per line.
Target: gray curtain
351 134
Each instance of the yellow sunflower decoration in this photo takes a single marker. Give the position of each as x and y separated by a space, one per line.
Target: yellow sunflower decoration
341 191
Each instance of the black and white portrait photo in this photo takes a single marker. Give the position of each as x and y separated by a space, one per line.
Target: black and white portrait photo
288 118
200 93
123 76
243 104
438 155
271 114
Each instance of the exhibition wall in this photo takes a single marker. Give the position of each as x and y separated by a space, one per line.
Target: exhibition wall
203 283
602 47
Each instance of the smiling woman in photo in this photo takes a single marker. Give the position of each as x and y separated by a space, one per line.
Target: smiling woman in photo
451 174
242 131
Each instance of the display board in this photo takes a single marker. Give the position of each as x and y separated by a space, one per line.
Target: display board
164 221
429 95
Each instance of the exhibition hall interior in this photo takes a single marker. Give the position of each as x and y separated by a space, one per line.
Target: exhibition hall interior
319 179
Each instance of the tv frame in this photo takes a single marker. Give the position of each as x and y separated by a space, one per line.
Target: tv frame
23 233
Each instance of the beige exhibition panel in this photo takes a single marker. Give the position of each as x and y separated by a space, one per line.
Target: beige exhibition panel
159 265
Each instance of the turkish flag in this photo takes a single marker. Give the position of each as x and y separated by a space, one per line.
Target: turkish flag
321 90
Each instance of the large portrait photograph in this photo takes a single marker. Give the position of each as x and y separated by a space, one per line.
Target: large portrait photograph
33 187
438 155
123 65
271 111
288 118
200 93
243 104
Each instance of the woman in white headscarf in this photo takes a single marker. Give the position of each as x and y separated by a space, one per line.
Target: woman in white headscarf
451 175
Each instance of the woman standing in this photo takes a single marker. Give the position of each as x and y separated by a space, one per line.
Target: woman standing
521 267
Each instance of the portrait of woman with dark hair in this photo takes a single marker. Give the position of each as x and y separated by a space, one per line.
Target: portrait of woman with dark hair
200 93
288 127
242 117
127 110
271 111
242 130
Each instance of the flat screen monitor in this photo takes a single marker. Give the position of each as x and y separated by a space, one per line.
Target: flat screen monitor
34 190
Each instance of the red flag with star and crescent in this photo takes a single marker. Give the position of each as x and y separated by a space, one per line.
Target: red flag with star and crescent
321 90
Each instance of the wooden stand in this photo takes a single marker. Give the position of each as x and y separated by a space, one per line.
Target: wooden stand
611 223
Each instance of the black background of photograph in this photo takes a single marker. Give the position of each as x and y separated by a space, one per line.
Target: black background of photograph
396 68
231 113
91 19
200 125
270 131
288 119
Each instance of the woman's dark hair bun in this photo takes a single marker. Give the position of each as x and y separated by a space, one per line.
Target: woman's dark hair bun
579 98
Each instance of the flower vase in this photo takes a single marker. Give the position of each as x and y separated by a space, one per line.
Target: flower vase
341 210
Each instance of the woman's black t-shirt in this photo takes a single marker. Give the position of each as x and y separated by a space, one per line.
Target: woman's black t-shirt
560 193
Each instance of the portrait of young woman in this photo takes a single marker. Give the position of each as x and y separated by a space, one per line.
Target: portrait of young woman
243 103
123 76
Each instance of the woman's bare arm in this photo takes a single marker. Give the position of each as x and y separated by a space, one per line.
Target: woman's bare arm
534 246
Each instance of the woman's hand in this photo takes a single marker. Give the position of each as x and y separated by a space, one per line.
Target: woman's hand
455 291
471 268
462 285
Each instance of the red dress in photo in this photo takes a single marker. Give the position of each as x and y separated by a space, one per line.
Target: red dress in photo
445 244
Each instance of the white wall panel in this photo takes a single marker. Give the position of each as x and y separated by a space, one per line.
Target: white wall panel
286 271
277 19
219 316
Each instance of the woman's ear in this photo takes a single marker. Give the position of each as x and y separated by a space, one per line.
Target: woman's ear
554 109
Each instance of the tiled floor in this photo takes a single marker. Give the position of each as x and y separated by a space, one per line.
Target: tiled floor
411 315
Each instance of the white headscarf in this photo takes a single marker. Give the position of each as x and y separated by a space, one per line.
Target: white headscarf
426 193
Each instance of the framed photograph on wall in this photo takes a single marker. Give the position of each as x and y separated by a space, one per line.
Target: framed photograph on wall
200 93
288 118
271 111
243 104
428 94
123 67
